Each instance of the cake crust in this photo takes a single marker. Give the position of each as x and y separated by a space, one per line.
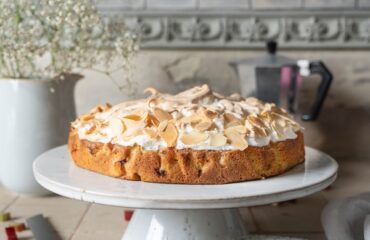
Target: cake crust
186 166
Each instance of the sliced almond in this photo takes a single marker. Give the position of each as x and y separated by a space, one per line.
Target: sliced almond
133 117
282 122
108 105
278 110
217 140
191 119
238 109
256 131
161 115
200 110
236 139
91 130
145 118
136 132
252 100
210 113
138 112
151 133
169 135
162 125
149 119
152 121
278 128
203 126
98 109
116 126
239 128
295 126
86 117
129 123
206 115
230 117
227 104
265 114
176 115
101 134
256 121
260 132
100 124
132 128
193 138
232 124
283 118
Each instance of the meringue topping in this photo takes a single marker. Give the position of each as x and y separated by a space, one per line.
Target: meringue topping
197 118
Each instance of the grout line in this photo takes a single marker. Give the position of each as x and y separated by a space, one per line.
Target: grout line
254 220
80 221
288 233
10 203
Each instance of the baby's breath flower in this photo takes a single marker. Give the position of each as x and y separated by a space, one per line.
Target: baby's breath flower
70 34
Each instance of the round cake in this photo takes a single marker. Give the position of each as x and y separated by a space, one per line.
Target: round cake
194 137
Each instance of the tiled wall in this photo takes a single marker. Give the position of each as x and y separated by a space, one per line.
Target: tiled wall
244 24
235 4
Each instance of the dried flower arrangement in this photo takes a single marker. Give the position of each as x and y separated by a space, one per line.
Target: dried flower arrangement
43 39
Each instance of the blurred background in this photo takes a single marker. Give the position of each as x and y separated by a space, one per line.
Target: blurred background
184 43
190 42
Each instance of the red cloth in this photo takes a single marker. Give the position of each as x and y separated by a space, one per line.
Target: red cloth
10 233
127 215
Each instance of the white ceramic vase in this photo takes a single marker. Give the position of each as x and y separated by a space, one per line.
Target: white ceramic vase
35 116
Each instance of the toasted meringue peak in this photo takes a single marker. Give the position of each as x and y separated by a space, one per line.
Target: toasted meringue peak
196 118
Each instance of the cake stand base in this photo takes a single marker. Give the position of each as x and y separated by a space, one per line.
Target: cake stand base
193 212
215 224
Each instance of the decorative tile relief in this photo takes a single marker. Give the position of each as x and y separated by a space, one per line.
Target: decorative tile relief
358 29
306 30
252 29
195 29
312 29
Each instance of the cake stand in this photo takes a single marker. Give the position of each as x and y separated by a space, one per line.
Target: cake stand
182 212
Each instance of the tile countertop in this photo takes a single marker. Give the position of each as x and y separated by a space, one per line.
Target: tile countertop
79 220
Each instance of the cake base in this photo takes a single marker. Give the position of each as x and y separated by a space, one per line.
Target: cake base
186 166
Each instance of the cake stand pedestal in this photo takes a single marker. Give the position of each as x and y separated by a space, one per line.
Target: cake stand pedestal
182 212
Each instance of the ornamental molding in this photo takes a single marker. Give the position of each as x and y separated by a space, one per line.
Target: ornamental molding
306 29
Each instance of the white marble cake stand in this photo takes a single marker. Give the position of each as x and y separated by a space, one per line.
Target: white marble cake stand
182 212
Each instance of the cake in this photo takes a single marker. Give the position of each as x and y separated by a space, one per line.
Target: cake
194 137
